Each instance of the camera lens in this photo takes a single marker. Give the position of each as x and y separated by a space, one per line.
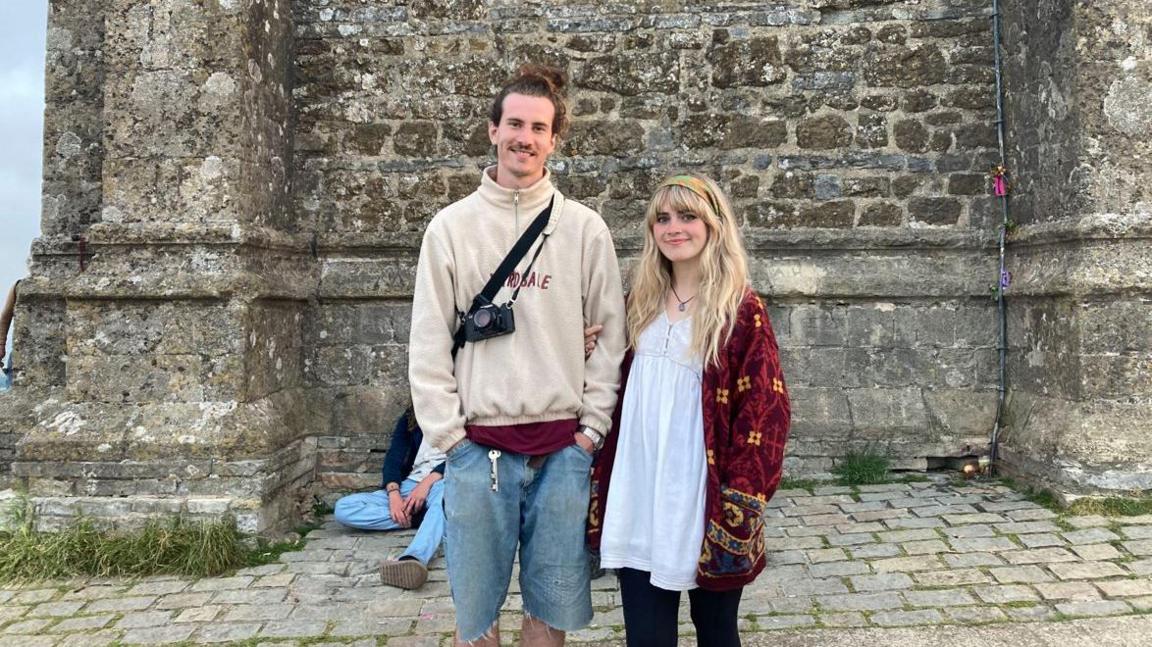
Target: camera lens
482 318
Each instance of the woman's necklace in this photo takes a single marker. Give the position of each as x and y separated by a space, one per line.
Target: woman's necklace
683 303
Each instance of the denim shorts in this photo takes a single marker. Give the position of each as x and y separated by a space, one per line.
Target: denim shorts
541 508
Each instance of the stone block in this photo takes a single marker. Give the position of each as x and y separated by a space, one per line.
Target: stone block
915 534
906 618
159 635
881 582
135 603
729 132
1126 588
874 551
907 564
881 214
833 214
755 62
54 609
639 73
911 136
1086 570
975 615
1042 540
82 623
939 598
1094 608
967 184
861 602
887 408
957 577
823 132
183 600
931 547
226 632
1090 536
1005 594
144 619
1015 574
1038 556
934 211
33 626
293 629
617 138
872 129
1068 591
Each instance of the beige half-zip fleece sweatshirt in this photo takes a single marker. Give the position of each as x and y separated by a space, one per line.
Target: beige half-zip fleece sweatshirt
538 373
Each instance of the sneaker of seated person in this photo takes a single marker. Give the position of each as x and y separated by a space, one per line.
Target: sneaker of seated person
405 573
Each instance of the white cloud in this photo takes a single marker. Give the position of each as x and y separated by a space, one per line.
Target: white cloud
23 84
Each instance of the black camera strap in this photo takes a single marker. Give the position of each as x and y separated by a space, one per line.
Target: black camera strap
507 265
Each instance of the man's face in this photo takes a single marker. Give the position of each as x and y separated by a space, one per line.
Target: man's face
523 140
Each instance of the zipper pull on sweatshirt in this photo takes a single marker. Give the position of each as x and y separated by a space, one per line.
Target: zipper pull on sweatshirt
516 211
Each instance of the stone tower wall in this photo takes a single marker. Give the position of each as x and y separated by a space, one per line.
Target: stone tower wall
248 181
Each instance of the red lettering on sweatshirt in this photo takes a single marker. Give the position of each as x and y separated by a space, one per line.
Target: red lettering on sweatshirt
530 280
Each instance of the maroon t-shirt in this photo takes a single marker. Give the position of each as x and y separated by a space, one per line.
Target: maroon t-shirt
530 439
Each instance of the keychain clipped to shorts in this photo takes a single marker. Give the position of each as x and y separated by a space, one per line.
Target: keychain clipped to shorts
494 474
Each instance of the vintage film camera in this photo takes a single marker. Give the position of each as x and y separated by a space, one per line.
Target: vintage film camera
486 320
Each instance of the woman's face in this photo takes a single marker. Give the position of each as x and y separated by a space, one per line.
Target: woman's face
680 235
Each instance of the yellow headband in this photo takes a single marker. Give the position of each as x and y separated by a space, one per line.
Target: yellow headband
697 186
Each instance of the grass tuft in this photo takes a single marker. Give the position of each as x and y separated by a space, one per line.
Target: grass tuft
802 484
173 547
1042 498
1112 506
1138 504
862 468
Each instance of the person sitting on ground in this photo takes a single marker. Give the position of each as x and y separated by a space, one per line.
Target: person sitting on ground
412 497
6 315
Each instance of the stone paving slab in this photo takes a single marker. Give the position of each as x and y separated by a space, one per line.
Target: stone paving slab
917 562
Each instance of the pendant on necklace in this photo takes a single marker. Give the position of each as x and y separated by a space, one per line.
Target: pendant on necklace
682 306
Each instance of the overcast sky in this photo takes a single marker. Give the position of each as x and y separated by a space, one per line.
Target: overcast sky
22 28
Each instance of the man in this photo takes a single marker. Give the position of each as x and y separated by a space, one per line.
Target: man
520 414
413 495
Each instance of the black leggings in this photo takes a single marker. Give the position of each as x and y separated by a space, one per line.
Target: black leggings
650 613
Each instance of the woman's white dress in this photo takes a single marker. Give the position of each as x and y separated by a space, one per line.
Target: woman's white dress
654 517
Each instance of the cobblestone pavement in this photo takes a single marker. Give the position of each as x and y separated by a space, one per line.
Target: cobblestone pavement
896 555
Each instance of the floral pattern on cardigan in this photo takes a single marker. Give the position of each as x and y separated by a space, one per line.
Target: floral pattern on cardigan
746 419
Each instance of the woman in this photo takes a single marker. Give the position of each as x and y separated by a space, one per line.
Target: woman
701 424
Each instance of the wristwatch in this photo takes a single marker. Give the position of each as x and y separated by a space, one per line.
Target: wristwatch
595 436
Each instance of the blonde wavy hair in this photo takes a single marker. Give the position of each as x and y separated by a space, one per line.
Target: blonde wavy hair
723 266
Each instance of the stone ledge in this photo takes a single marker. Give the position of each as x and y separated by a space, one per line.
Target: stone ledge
950 272
58 512
756 239
1068 266
1070 479
1100 226
68 431
163 233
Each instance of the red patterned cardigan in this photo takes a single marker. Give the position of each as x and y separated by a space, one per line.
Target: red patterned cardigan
746 419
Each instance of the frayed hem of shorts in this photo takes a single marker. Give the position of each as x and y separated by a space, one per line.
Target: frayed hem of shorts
529 614
488 633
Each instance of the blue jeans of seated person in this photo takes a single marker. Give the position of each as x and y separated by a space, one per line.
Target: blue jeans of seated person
369 511
540 507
